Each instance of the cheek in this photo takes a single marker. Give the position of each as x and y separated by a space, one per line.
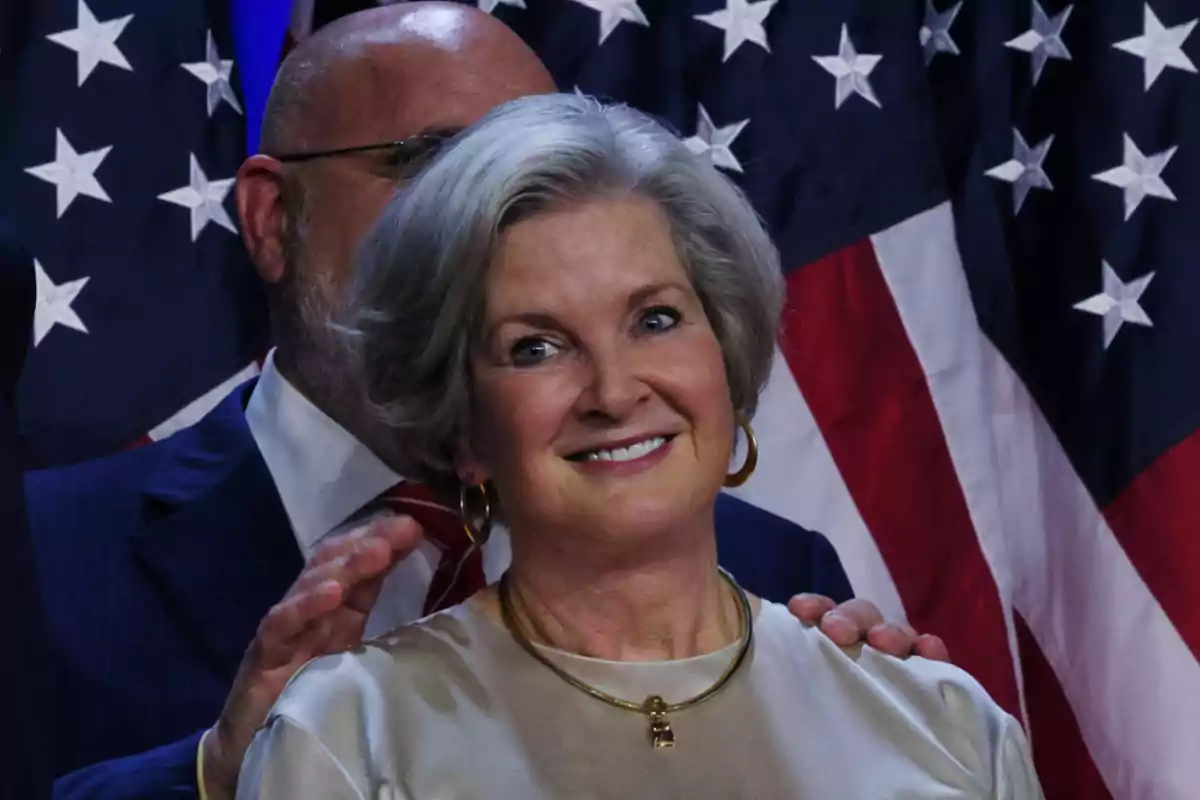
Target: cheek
340 219
519 415
692 376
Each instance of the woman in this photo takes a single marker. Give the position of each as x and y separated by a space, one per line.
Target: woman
570 316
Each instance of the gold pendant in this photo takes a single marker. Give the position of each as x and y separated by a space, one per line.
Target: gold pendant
661 735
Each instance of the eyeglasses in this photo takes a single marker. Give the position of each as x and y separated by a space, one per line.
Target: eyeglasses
403 152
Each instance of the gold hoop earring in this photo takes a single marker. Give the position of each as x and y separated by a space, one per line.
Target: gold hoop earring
747 469
477 535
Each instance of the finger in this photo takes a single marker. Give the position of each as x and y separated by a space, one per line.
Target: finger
402 533
841 629
364 552
862 614
312 641
385 543
933 648
346 630
360 559
809 608
892 639
362 596
275 642
336 545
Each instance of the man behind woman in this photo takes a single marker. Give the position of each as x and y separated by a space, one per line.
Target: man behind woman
569 317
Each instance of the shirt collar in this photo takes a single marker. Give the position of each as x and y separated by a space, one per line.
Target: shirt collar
323 474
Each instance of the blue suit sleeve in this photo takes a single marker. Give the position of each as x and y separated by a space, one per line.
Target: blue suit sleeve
164 772
829 577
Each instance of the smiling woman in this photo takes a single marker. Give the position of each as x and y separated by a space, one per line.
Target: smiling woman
572 311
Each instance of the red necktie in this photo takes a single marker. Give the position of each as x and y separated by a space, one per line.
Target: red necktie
459 573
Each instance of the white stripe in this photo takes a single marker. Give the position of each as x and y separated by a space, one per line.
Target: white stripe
797 479
191 413
940 321
1132 681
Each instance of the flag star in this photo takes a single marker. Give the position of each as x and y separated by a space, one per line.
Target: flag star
1043 40
1160 47
851 70
715 142
1024 170
72 173
205 198
54 304
215 72
1139 176
614 12
94 42
1118 303
488 6
935 30
742 21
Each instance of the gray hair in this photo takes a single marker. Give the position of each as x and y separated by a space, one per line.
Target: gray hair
417 306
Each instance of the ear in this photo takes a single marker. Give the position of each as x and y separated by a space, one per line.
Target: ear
260 207
469 468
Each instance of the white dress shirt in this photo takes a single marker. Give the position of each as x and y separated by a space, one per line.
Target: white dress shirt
325 476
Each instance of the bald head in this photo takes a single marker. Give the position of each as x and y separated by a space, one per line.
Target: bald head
369 78
395 71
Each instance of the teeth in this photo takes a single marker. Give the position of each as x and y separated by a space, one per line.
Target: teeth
628 453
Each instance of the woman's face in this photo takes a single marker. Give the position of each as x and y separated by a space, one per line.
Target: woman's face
602 404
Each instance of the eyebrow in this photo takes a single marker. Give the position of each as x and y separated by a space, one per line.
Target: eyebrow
544 319
646 292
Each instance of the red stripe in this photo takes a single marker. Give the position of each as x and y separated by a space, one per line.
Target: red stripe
1064 765
1157 521
847 347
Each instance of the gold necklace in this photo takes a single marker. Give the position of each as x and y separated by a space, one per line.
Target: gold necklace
654 707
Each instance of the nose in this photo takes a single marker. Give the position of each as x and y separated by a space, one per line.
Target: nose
615 386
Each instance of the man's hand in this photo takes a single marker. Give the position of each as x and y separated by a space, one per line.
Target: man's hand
325 611
857 621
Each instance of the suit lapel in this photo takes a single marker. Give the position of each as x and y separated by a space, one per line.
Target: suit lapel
215 537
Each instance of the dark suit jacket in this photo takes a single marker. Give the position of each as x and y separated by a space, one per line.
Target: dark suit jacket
26 727
159 563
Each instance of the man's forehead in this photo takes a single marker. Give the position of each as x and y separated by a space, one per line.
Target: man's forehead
397 92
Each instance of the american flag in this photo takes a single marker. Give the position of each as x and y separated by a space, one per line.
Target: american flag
985 392
122 129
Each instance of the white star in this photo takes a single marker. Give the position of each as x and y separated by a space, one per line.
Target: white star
1118 303
490 5
1024 170
54 304
72 173
1044 39
1139 176
205 198
742 21
614 12
851 71
935 30
1160 47
714 141
215 72
95 42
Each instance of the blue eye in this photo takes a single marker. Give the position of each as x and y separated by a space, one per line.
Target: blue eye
532 350
658 319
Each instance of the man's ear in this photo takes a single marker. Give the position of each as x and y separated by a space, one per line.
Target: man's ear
261 210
